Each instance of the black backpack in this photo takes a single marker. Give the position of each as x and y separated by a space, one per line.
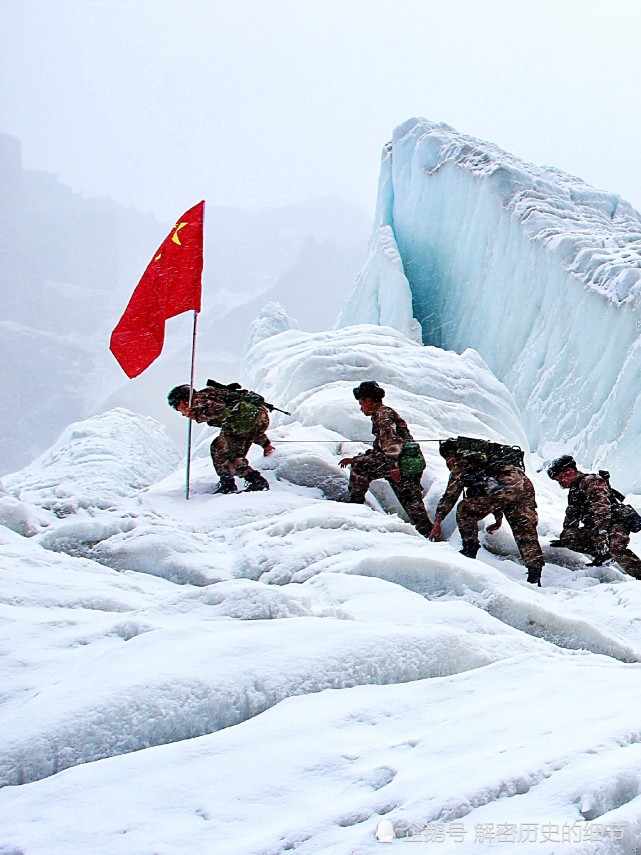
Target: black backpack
487 457
621 513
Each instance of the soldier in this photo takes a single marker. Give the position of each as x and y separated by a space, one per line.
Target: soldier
594 523
383 460
507 491
241 422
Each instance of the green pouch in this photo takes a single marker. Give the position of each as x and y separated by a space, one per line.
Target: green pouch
411 460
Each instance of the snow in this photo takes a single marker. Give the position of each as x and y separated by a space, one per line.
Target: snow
495 746
114 454
262 672
537 271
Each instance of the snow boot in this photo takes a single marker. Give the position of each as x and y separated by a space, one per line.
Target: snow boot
534 575
470 548
226 485
255 482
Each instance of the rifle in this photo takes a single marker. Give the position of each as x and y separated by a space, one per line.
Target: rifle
241 393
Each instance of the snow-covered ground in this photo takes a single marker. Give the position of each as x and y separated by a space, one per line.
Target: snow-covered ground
281 671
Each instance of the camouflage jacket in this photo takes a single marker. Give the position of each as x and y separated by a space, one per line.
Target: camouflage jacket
390 432
589 503
213 405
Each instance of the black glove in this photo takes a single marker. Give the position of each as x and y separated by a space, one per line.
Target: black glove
556 542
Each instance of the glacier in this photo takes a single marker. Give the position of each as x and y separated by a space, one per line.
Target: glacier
263 672
282 671
536 270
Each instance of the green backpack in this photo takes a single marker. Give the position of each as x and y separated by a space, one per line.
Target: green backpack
244 415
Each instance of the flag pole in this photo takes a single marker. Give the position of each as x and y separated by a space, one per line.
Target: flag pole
191 395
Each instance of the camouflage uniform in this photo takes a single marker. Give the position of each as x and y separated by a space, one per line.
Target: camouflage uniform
590 511
390 432
512 496
228 450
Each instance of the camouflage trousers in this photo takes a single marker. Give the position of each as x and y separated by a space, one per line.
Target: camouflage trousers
579 540
369 467
517 501
229 454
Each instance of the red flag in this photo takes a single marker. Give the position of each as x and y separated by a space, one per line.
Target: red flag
170 285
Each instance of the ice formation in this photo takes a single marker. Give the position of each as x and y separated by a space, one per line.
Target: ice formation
267 672
272 671
114 454
537 271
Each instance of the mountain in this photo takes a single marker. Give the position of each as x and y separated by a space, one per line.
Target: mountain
65 261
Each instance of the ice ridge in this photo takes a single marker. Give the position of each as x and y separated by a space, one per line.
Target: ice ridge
533 268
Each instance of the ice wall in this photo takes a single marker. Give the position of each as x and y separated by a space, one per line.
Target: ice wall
531 267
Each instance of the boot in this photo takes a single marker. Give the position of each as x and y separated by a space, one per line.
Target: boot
226 485
255 482
470 548
534 575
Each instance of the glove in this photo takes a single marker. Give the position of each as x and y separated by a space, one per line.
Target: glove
395 475
269 449
601 542
556 542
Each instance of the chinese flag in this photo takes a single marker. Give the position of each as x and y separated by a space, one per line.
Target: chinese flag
170 285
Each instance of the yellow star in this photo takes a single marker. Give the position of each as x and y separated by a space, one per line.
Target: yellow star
177 228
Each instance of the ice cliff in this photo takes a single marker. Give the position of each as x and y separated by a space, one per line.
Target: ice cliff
528 265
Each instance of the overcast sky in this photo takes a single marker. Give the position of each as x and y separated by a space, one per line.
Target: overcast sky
255 103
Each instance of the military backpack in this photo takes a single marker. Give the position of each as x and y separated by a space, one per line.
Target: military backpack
485 460
621 513
482 455
242 410
242 418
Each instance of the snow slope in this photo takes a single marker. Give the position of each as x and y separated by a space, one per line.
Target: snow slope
537 271
260 673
